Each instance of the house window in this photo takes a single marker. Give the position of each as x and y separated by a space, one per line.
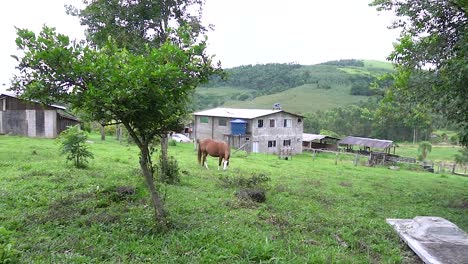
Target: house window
299 120
222 121
287 142
287 123
260 123
272 123
204 119
272 143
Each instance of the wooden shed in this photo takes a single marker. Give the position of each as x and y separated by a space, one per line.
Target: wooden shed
32 119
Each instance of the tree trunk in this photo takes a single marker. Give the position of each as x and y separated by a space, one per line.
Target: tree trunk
164 146
146 167
414 135
118 132
103 132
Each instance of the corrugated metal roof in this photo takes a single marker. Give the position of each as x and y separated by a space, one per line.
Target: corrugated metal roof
310 137
238 113
366 142
52 105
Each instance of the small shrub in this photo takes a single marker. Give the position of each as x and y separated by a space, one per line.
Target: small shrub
256 180
256 195
168 171
73 144
454 139
172 143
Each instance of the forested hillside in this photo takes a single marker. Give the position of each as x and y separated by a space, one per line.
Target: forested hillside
338 97
319 87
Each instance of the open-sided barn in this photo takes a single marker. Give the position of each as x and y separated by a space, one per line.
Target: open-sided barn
32 119
367 144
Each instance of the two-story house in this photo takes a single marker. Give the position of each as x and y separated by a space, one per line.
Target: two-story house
254 130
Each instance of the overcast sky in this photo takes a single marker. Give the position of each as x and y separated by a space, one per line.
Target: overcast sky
246 31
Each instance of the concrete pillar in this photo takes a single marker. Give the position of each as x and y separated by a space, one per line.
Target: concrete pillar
1 123
50 123
31 122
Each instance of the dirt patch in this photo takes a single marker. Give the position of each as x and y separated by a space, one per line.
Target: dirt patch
346 184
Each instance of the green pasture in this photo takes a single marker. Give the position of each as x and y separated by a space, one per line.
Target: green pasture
442 152
303 99
315 211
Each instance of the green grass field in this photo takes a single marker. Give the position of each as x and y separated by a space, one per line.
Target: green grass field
438 153
302 99
315 211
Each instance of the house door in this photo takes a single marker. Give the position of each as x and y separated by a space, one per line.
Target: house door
255 147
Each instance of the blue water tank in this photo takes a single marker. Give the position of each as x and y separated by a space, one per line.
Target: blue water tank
238 127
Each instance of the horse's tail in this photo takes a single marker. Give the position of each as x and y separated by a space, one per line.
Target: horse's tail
199 152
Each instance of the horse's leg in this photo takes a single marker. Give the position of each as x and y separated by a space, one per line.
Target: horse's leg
219 162
204 160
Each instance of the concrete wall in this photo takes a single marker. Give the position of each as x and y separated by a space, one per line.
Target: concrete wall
15 122
32 123
212 129
279 133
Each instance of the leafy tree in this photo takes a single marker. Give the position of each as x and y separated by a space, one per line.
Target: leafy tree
73 144
137 24
148 92
424 148
462 157
431 55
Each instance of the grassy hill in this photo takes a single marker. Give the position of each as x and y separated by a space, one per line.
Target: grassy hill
297 88
303 99
315 211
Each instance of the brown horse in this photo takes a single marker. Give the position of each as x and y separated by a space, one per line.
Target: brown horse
215 149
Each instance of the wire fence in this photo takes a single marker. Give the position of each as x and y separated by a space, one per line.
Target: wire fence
388 159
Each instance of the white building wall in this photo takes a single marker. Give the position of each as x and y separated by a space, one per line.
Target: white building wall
1 123
31 122
279 133
50 123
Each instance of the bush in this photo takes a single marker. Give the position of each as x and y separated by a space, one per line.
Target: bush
172 143
256 195
254 181
454 139
73 144
168 171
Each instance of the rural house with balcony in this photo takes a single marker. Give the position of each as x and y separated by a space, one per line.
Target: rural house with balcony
253 130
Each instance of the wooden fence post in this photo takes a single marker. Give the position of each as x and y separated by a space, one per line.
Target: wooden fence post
356 159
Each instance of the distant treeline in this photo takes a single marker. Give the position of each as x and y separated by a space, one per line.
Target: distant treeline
273 78
269 78
345 63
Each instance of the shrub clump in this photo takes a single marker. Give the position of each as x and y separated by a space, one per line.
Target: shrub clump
256 195
256 180
168 171
73 144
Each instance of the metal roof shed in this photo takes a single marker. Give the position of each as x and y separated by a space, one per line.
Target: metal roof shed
367 142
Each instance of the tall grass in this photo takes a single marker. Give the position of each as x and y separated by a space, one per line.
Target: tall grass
315 211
